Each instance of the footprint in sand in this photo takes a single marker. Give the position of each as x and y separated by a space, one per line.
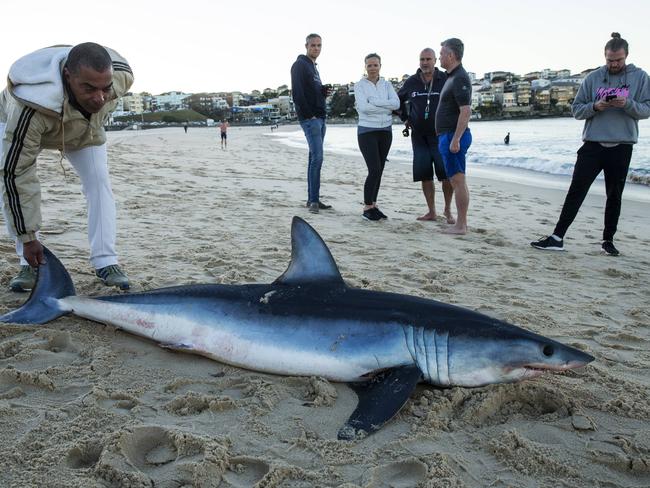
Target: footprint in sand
155 456
121 402
193 403
244 472
41 344
497 241
10 348
400 474
85 455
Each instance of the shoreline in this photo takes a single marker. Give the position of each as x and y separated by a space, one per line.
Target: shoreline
634 189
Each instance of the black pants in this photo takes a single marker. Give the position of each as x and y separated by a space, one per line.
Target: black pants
592 159
374 146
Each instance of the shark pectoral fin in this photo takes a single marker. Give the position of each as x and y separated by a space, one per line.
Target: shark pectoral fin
379 400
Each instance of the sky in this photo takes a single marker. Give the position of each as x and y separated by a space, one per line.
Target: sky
200 45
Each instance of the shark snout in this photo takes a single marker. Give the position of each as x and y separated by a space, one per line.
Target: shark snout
578 359
570 359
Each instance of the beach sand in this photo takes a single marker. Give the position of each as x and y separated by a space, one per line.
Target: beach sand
83 404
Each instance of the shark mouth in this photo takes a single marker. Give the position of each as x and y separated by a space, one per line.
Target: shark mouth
534 372
541 368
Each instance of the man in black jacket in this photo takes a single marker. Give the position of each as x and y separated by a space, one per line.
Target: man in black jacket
421 92
309 99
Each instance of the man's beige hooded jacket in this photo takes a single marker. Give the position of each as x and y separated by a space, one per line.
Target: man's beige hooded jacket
38 115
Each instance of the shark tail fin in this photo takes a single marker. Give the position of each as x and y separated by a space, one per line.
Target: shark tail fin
52 282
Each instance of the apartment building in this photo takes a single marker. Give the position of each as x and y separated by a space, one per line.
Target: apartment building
133 103
509 99
169 101
543 98
523 93
563 95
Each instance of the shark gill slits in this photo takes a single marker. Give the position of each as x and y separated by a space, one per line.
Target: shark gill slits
548 350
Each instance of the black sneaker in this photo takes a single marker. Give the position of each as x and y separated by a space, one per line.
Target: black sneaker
609 249
549 243
381 214
313 207
321 205
371 214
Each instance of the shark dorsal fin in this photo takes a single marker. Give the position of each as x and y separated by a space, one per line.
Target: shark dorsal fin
311 260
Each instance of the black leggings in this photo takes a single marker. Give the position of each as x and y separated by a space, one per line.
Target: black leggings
592 159
374 146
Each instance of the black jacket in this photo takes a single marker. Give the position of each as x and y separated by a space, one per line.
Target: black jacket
413 99
307 89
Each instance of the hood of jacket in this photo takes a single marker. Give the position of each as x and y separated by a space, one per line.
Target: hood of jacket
603 74
305 58
36 79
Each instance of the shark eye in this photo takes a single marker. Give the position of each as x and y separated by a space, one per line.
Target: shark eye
548 350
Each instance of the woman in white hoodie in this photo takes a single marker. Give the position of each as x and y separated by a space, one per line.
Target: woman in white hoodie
375 100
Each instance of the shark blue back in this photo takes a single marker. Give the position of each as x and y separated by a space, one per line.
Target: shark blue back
53 282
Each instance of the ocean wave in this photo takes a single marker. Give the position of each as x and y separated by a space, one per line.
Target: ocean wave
542 146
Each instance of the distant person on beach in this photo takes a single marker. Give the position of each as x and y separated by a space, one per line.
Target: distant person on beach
419 100
506 139
375 100
611 100
452 119
223 128
79 87
185 127
309 99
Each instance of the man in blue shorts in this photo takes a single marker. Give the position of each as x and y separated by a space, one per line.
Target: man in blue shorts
452 118
421 92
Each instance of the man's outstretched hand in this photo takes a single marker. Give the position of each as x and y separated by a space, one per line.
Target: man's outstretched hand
33 253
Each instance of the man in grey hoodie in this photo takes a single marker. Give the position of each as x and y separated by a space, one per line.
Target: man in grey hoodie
611 101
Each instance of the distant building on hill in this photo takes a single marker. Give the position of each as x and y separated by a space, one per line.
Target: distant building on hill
169 101
523 91
499 76
499 93
133 102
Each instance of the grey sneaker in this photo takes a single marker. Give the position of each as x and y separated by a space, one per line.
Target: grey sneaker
321 205
313 207
113 276
25 280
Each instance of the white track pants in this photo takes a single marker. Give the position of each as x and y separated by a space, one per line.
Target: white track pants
91 164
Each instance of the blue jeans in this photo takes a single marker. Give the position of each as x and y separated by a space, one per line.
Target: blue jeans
314 130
